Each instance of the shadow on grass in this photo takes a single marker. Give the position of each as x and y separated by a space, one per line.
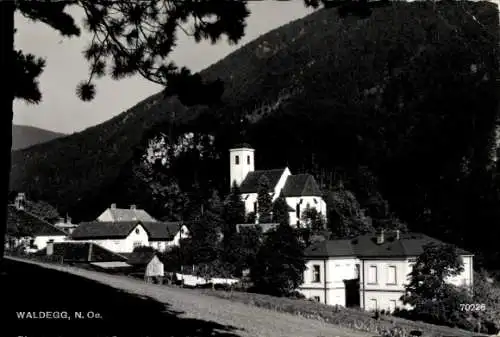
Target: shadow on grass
30 288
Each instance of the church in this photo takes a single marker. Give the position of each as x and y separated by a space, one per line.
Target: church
300 191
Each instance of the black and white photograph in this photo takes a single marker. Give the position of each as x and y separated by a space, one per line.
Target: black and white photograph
232 168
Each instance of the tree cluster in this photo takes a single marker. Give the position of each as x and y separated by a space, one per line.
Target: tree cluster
435 300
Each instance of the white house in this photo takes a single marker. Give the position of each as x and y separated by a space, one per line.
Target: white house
124 236
299 190
369 271
114 214
28 230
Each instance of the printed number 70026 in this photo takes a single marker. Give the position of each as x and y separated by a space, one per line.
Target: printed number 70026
472 307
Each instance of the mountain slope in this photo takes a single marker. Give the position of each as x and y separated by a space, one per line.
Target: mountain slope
24 136
405 94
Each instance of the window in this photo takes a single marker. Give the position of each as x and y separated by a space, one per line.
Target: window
137 244
137 231
316 298
237 160
255 207
248 160
297 211
392 305
373 304
410 268
357 270
316 273
372 275
391 277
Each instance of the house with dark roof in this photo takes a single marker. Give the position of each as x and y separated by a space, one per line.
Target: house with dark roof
28 230
114 214
124 236
369 271
147 264
75 252
300 191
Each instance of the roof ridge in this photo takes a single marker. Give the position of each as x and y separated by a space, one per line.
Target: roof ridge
41 219
276 169
106 249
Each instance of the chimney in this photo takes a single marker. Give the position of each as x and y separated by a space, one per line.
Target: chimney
397 234
50 247
89 255
20 201
380 237
113 206
133 207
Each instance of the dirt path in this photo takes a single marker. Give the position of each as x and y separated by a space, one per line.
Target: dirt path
250 321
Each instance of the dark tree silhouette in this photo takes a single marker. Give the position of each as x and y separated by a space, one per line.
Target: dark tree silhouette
234 212
279 263
280 211
128 38
264 201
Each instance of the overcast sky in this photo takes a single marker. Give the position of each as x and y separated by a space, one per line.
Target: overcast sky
62 111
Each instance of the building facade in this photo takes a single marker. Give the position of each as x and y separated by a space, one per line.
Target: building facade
370 271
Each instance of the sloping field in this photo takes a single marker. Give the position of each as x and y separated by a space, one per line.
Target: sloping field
218 315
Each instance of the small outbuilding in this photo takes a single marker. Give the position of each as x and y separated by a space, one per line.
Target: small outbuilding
148 264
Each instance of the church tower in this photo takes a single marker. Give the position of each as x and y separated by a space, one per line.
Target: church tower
241 162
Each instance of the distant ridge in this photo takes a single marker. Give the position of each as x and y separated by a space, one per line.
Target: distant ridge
24 136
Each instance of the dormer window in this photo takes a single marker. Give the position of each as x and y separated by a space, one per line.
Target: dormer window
248 160
237 160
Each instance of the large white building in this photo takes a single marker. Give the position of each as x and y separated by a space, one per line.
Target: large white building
120 230
369 271
300 191
124 236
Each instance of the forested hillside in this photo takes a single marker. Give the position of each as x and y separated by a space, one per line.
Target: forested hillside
400 107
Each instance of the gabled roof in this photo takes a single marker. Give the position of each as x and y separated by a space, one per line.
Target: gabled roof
127 214
251 182
160 231
81 251
365 246
330 248
104 230
140 258
157 231
301 185
21 222
408 244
